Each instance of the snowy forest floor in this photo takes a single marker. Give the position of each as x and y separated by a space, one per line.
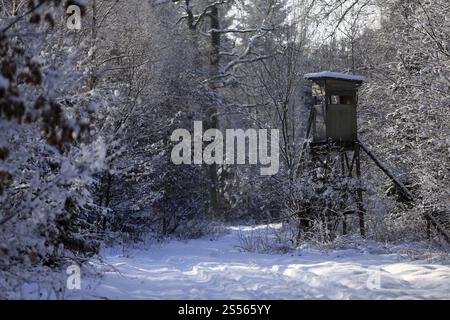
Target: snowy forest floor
219 269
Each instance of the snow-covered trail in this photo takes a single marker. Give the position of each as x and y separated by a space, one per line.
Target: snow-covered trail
205 269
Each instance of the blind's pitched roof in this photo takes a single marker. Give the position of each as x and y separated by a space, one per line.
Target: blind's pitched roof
334 75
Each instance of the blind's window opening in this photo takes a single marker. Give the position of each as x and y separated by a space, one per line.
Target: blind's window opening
335 100
342 99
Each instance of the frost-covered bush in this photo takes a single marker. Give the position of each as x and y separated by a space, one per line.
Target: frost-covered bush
322 199
198 228
278 238
48 215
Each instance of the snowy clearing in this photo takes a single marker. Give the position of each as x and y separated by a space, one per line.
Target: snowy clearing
218 269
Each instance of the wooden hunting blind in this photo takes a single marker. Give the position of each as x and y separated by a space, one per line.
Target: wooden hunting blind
332 130
333 114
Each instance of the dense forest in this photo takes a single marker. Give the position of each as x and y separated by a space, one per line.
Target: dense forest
91 93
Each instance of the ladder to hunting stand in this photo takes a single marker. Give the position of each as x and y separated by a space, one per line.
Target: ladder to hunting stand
438 219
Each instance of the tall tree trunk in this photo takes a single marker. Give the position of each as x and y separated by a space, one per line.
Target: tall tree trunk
211 120
93 69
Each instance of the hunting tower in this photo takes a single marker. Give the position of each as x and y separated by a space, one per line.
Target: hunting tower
332 133
332 129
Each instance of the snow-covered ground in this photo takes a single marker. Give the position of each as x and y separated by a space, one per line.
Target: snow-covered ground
218 269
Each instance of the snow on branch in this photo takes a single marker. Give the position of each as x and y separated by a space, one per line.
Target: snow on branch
239 31
244 57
